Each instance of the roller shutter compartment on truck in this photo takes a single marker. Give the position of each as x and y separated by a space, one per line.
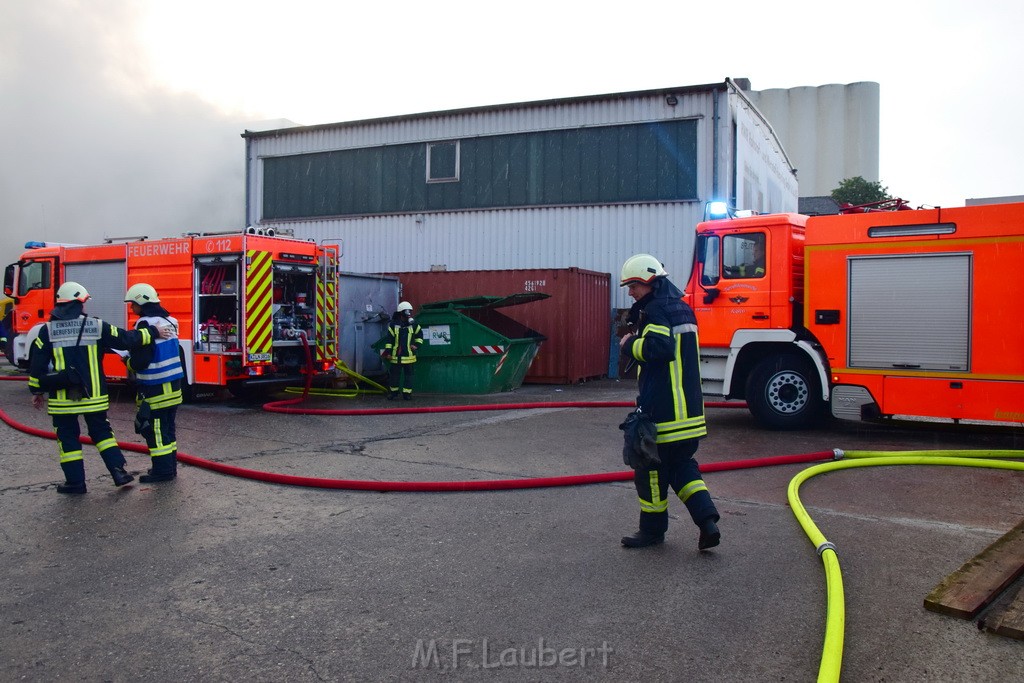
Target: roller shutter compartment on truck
910 312
106 283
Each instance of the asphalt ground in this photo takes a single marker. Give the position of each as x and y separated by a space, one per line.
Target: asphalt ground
218 578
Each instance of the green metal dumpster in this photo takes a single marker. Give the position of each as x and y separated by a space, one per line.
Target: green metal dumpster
471 348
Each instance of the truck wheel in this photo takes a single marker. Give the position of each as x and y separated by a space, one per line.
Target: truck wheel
783 392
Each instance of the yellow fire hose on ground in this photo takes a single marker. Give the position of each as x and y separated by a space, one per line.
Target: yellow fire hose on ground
344 393
835 621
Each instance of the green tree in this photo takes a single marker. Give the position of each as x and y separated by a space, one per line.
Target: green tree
858 191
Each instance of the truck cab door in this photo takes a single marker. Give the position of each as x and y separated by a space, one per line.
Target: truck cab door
735 285
32 289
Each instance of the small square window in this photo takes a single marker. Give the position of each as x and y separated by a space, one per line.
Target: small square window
443 162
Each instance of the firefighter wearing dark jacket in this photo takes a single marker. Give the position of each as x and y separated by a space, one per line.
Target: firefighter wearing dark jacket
158 376
404 336
74 345
665 347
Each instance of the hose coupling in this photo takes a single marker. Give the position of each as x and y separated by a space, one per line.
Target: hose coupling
826 546
838 454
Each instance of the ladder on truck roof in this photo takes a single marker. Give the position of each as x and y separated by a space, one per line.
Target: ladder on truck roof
891 204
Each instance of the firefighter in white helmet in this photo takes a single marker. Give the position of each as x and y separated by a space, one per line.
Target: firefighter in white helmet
158 376
403 337
74 344
664 345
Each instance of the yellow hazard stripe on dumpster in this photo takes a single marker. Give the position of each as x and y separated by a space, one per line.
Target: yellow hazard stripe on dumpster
259 280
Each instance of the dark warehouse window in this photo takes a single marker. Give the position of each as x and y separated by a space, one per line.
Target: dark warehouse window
598 165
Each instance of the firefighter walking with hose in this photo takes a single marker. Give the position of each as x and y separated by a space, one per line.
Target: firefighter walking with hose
665 347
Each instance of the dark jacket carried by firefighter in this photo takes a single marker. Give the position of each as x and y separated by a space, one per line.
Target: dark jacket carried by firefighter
74 344
666 344
403 333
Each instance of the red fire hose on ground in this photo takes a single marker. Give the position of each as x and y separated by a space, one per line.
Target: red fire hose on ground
831 660
288 406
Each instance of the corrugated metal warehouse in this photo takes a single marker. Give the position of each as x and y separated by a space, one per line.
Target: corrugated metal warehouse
580 183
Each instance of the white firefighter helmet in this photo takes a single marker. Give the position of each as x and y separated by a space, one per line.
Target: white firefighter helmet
641 268
404 306
141 294
71 291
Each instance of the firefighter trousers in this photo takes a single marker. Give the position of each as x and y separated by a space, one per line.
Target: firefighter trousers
160 437
680 471
400 377
69 444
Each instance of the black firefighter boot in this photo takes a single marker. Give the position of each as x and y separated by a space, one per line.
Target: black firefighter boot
700 506
709 534
121 476
642 539
647 535
74 477
115 462
165 468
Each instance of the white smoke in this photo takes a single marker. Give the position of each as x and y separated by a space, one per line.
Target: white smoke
90 147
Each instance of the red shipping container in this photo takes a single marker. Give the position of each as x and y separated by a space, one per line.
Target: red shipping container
576 319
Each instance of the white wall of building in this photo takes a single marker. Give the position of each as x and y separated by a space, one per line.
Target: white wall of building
764 182
596 238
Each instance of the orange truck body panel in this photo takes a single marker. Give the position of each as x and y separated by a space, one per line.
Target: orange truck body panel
902 313
243 301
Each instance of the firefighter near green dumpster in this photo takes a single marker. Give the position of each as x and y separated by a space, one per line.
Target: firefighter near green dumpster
472 348
404 336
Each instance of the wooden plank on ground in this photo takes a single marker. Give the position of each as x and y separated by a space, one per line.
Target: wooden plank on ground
1007 620
974 586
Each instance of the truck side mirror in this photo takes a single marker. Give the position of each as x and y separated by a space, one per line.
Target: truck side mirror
9 280
710 294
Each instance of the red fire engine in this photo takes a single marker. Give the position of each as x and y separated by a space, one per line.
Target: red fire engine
874 314
253 308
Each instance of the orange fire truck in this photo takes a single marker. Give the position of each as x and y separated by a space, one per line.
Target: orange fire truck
909 313
254 308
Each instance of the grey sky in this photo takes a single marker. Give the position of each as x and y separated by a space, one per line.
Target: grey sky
123 118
